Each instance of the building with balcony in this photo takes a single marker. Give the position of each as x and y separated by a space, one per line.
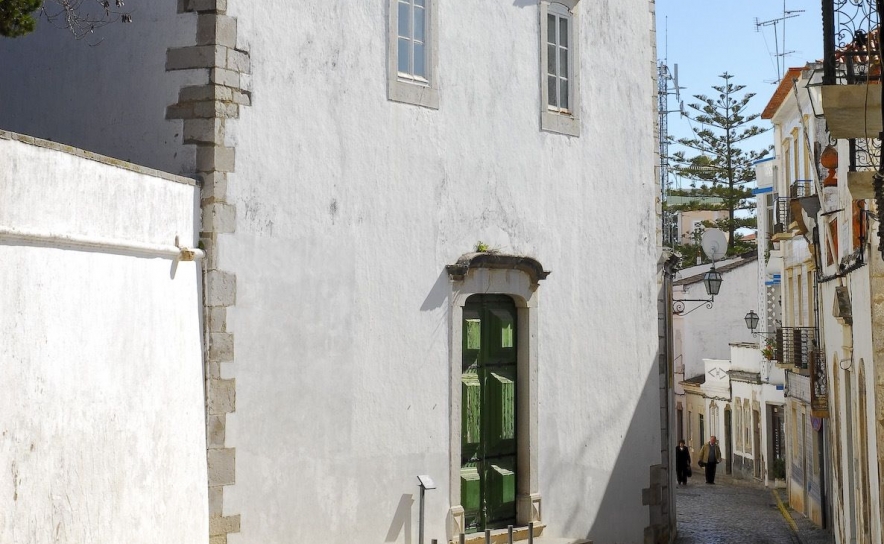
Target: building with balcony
791 312
851 271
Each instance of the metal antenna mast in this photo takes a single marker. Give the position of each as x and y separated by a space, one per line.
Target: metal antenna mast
781 57
667 84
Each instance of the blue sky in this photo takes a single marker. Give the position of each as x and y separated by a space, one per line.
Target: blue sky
707 38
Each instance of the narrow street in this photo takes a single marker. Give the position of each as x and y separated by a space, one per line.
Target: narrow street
738 511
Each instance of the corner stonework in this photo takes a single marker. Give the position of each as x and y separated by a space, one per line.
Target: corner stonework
204 110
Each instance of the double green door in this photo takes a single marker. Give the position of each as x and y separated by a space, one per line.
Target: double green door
488 427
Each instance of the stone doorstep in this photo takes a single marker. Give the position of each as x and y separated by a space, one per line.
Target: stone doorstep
520 534
500 536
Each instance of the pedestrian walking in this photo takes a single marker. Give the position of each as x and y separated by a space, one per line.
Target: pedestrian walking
682 463
710 456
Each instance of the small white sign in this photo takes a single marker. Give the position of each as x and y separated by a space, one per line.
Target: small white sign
426 482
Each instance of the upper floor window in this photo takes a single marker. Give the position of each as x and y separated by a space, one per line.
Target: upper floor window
412 40
412 44
558 61
559 67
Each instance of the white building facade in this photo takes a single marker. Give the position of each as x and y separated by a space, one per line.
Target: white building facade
384 191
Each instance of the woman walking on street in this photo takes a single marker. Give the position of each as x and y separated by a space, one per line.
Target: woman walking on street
682 463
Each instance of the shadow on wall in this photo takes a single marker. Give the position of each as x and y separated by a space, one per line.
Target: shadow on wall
438 293
401 524
622 495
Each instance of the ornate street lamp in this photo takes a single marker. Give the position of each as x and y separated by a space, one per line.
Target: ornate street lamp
711 282
752 320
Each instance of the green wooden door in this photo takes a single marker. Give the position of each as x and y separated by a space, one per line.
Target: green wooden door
488 427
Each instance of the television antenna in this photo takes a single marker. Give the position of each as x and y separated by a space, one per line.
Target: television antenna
780 56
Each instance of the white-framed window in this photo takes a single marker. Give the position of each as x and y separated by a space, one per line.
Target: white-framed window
412 51
559 64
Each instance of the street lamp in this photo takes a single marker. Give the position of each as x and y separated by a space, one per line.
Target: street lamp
711 282
752 320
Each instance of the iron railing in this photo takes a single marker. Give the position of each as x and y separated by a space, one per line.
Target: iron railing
782 214
850 50
797 346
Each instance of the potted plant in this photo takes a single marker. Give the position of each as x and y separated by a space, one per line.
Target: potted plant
778 472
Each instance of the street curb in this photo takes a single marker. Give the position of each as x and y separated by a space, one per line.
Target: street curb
784 512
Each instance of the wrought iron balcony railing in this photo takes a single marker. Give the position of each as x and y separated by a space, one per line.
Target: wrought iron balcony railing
782 215
850 50
801 188
797 346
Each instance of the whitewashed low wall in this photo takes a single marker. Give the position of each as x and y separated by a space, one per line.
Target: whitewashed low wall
102 434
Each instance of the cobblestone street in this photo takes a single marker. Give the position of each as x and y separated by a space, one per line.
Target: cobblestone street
737 511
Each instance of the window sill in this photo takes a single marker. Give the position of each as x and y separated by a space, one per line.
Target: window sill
413 93
559 123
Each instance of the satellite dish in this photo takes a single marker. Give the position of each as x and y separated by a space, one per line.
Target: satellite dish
714 244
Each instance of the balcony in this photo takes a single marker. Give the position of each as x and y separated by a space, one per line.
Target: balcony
796 348
851 91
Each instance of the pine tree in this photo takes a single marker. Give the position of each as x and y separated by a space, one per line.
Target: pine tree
80 17
721 171
17 17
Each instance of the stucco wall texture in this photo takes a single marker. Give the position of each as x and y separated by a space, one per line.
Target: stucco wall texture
102 435
348 208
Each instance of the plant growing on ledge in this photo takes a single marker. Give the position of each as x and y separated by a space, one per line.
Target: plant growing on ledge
778 469
769 351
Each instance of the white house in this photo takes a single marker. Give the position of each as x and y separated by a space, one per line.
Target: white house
706 332
431 249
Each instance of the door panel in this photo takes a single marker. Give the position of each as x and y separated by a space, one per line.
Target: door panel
488 426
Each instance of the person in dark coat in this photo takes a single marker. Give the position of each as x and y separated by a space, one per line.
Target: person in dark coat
682 462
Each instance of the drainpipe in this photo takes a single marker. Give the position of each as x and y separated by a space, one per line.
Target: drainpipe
102 245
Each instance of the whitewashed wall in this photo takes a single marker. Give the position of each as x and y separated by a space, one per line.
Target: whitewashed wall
102 431
848 347
348 208
747 358
708 332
